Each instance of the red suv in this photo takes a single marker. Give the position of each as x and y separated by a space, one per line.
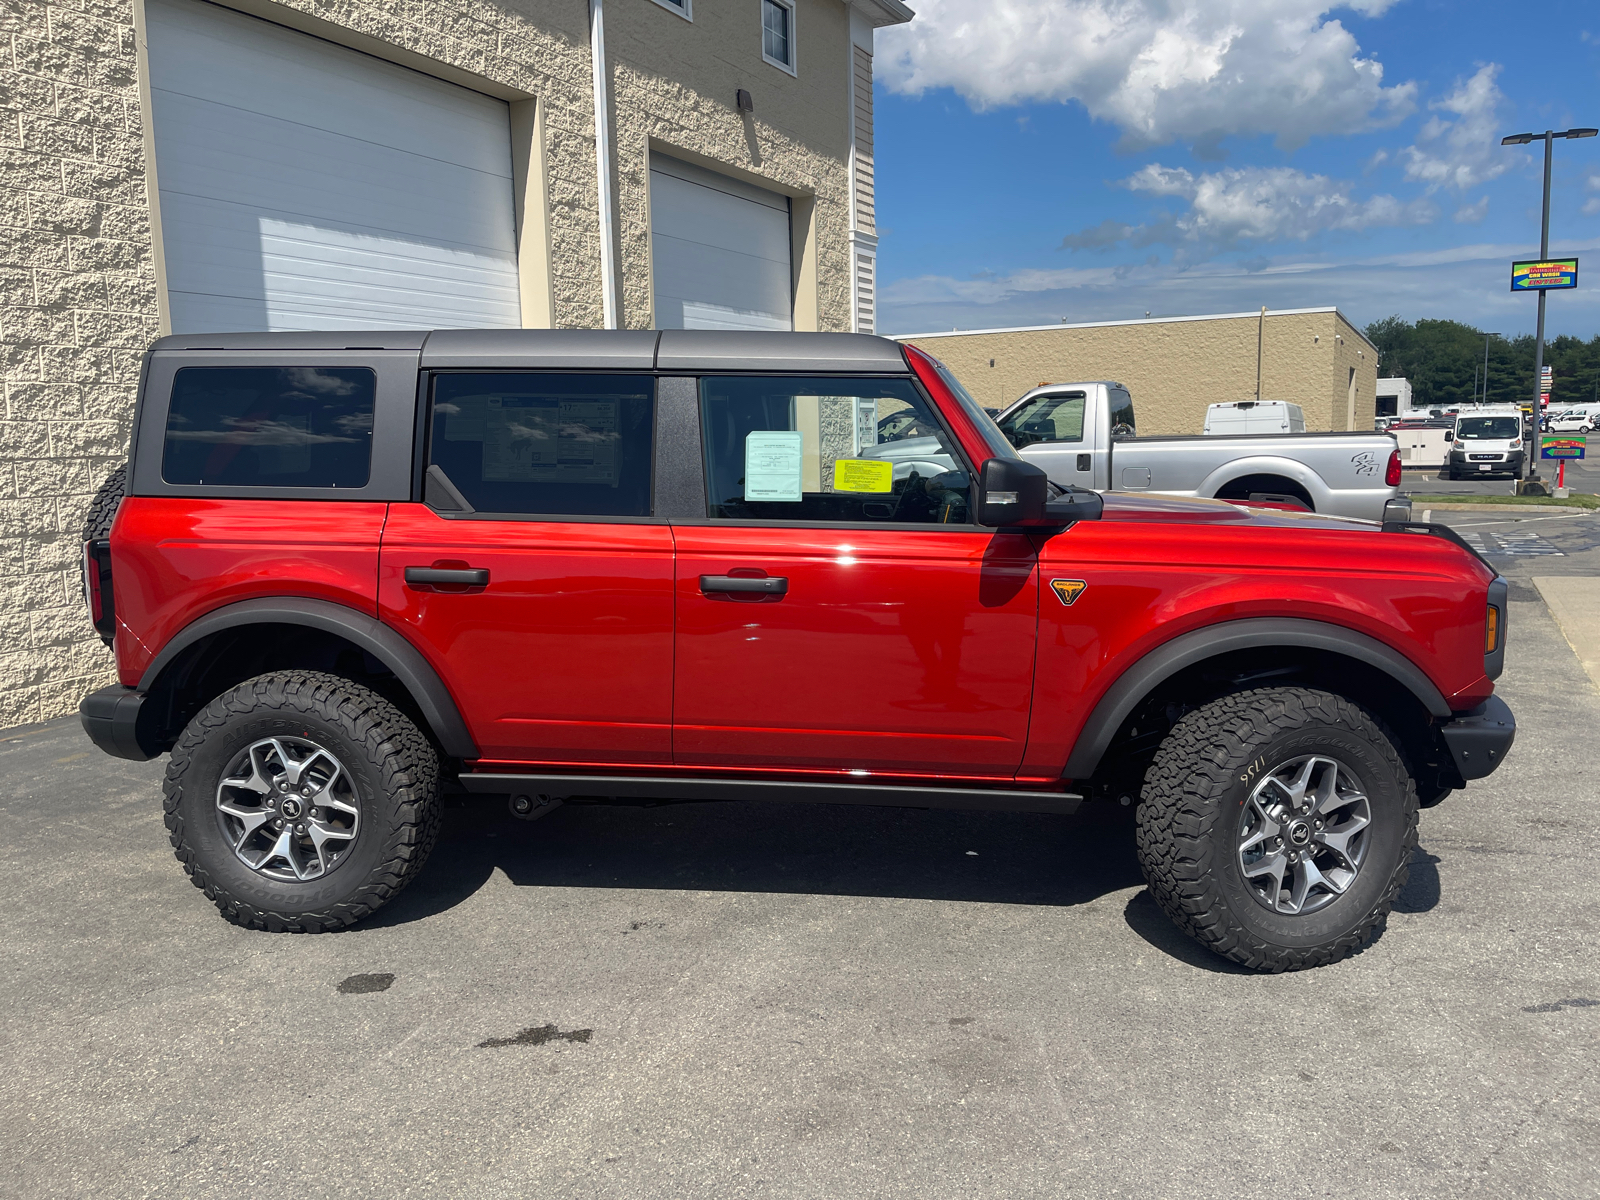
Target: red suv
346 572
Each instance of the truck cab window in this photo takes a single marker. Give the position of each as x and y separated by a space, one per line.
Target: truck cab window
1054 417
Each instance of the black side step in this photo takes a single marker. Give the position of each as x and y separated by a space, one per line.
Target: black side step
679 788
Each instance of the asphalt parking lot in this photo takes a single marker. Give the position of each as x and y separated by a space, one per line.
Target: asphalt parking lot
793 1001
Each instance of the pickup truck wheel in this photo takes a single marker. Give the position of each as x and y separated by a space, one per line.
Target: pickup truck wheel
301 802
1276 827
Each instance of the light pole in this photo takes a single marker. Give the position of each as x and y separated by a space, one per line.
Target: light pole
1549 138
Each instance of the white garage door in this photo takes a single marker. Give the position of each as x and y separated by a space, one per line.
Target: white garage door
719 250
306 186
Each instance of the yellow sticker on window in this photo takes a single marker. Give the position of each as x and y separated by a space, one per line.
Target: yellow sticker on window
862 475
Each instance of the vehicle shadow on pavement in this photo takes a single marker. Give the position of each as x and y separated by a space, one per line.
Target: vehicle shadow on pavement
756 846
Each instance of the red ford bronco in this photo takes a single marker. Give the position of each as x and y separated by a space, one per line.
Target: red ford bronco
343 573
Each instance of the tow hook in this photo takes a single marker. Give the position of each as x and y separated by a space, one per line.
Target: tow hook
531 808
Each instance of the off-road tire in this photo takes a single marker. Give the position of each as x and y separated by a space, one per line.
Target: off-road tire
1194 796
103 508
395 770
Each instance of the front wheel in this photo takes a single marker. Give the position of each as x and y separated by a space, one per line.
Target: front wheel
301 801
1276 827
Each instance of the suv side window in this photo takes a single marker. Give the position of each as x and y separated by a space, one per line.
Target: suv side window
541 444
1054 417
798 448
270 427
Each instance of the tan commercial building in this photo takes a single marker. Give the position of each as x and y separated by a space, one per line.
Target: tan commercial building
183 166
1175 366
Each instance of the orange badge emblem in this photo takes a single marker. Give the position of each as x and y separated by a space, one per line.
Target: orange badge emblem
1068 590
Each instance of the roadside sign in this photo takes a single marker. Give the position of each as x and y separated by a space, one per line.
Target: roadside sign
1552 447
1540 275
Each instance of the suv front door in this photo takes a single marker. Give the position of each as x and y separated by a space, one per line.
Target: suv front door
837 610
535 577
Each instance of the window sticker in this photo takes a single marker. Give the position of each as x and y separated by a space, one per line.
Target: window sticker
531 440
863 475
772 465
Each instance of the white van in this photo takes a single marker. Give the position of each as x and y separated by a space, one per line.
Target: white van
1253 416
1580 418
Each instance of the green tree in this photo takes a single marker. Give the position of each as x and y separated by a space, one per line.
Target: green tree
1442 359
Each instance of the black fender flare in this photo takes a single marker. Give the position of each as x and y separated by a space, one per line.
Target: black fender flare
1249 633
413 671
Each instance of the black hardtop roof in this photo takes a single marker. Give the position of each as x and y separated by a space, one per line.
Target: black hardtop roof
592 349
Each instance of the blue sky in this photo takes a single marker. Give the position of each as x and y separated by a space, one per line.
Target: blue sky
1098 159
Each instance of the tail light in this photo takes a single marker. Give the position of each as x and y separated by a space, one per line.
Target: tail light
1491 640
1391 476
97 588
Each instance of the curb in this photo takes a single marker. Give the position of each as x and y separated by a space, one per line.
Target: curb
1419 505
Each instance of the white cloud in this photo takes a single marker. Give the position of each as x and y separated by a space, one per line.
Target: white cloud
1463 282
1592 206
1248 205
1473 214
1459 147
1157 69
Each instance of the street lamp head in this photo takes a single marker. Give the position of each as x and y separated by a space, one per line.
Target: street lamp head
1576 133
1517 139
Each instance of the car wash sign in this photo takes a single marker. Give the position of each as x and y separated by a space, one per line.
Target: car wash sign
1544 275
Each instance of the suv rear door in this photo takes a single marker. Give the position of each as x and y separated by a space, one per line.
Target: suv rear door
837 609
534 574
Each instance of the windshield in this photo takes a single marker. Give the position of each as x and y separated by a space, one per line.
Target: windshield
1500 428
992 437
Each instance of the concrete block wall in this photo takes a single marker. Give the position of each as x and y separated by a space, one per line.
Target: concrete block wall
77 309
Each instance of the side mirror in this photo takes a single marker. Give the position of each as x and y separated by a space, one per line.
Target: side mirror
1011 492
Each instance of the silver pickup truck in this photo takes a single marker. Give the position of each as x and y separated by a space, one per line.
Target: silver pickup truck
1084 434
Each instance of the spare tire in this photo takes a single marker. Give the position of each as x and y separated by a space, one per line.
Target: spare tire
97 524
103 508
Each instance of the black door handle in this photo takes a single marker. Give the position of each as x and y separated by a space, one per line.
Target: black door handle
772 585
469 576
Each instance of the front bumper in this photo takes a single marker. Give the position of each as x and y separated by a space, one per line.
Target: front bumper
111 719
1479 740
1506 464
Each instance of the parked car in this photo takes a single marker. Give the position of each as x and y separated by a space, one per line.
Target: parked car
1581 418
1084 434
1486 444
346 573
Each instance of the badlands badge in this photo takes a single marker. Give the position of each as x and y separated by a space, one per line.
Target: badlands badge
1068 590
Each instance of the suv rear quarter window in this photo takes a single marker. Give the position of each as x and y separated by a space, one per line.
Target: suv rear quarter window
303 427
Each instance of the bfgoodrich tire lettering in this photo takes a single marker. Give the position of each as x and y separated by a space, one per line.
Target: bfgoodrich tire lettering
1194 805
393 773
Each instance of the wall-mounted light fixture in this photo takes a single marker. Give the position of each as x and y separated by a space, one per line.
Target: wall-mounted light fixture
742 101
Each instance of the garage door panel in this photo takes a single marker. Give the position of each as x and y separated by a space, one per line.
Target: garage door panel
318 188
720 256
316 84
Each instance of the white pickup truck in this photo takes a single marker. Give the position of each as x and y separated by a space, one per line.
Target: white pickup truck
1084 434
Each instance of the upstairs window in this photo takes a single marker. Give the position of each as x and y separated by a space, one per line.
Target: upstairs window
682 7
777 33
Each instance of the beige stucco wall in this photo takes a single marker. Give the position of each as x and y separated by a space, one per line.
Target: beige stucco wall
79 298
1175 368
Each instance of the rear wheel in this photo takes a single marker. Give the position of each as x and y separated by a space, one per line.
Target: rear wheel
301 802
1276 827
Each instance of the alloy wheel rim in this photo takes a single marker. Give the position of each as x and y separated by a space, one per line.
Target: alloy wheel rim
1303 834
288 809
